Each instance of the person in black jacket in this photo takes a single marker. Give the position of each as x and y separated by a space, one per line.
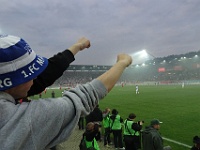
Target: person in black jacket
132 133
151 137
116 127
96 116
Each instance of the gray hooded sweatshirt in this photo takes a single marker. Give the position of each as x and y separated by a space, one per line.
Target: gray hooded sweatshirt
44 123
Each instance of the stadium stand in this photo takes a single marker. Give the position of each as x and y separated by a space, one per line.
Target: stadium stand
173 69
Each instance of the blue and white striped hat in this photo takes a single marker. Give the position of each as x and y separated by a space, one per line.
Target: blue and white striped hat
18 62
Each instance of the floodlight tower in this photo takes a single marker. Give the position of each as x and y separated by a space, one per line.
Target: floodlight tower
141 56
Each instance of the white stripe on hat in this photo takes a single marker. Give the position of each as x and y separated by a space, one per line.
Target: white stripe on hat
10 40
18 63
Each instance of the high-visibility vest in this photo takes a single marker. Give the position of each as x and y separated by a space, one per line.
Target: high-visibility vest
128 128
106 121
116 124
92 143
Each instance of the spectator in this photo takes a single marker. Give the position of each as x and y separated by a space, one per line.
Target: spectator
106 125
116 127
56 66
151 138
61 114
132 133
196 141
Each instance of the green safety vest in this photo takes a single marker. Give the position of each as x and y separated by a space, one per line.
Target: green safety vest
106 121
116 125
92 143
128 128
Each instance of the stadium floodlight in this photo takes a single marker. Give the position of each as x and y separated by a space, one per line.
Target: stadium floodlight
144 53
141 56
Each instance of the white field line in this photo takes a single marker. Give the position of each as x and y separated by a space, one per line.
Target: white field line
176 142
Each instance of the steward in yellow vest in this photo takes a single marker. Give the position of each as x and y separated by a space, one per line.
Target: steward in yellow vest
132 133
116 127
106 125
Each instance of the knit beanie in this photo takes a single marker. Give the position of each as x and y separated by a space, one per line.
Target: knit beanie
18 62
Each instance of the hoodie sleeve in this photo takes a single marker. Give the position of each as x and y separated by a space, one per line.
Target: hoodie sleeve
58 117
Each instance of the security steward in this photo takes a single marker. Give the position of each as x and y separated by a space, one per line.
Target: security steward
132 133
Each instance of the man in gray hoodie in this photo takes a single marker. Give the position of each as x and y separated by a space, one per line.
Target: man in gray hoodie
41 124
151 138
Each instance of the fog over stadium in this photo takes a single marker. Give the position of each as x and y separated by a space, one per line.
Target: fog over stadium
162 27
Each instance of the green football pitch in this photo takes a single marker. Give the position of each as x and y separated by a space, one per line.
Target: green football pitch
178 108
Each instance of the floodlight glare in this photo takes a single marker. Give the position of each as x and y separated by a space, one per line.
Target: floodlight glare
144 53
141 56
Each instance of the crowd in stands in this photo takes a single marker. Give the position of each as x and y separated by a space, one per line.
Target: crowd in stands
171 69
72 78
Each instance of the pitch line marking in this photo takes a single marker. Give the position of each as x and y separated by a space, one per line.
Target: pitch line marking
176 142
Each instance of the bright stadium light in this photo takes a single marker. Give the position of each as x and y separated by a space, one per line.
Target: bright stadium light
141 56
144 53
